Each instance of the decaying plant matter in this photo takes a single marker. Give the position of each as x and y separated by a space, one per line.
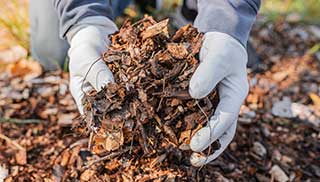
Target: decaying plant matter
148 107
36 143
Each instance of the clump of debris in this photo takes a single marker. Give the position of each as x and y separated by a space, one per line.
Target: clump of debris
148 112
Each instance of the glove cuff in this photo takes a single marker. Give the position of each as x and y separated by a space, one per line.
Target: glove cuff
226 43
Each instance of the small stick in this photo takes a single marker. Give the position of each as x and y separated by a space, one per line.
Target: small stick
208 121
79 142
204 113
163 89
90 140
159 106
131 143
144 136
14 143
107 157
85 76
20 121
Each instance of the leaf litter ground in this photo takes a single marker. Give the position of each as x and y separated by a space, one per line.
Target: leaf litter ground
37 144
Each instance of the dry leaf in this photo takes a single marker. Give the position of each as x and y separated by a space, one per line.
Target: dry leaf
178 51
112 165
114 141
185 137
87 175
315 99
21 157
158 28
27 69
108 141
65 158
172 136
158 160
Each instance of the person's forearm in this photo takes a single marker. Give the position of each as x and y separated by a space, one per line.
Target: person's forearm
75 13
233 17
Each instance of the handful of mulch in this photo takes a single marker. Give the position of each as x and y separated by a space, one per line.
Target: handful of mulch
148 112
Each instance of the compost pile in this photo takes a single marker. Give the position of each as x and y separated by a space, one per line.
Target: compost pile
148 112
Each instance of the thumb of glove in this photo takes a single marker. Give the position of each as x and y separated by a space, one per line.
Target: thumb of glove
87 47
214 65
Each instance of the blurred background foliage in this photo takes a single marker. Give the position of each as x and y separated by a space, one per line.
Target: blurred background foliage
14 22
307 11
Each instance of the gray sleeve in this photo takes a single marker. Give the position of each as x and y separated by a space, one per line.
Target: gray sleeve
233 17
71 12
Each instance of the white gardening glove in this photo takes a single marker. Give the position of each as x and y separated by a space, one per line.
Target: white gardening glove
87 44
222 65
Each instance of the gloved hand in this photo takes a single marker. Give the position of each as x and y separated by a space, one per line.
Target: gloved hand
87 44
223 64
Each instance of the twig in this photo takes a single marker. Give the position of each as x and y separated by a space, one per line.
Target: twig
204 113
163 89
210 135
160 102
20 121
90 140
85 76
79 142
107 157
71 146
14 143
131 143
144 136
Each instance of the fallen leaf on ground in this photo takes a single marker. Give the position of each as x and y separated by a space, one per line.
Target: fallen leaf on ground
27 69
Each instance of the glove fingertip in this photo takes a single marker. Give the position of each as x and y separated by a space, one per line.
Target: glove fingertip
196 91
77 89
104 83
200 140
100 76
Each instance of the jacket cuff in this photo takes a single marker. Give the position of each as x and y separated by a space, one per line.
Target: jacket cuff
234 18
